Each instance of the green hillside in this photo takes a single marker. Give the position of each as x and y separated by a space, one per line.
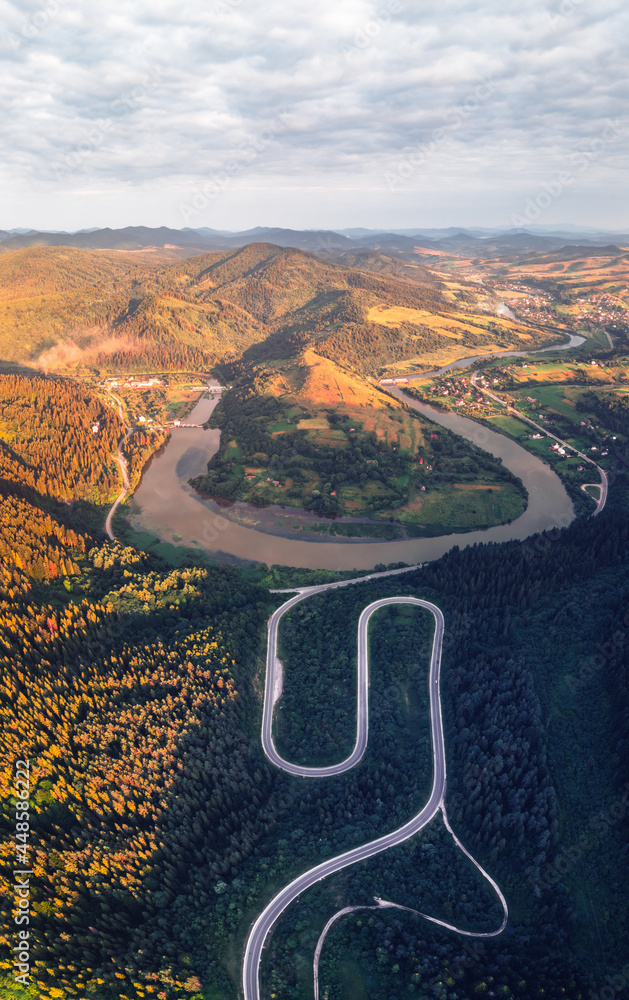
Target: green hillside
308 433
61 307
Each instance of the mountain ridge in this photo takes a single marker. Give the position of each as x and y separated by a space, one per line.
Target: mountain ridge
408 243
69 306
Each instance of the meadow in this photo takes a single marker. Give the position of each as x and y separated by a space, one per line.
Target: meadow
309 434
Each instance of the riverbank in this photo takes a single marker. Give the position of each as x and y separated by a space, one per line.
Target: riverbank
167 506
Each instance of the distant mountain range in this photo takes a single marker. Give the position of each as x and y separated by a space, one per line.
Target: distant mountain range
331 244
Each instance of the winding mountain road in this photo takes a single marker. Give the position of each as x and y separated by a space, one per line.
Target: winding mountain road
274 676
264 923
122 462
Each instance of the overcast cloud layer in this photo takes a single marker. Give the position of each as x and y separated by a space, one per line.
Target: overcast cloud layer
314 113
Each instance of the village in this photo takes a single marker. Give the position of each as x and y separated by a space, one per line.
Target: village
546 393
597 310
159 403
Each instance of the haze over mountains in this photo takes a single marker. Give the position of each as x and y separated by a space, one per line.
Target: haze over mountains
221 302
475 242
367 309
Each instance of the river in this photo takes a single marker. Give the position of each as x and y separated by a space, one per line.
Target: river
165 505
575 341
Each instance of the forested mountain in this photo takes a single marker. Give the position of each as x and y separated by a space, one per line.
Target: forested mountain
43 271
58 469
48 442
61 306
50 457
140 765
160 831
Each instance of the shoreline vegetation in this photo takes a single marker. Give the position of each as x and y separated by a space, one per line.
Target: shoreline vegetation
132 681
362 456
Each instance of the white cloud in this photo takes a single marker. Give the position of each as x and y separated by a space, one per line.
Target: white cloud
156 98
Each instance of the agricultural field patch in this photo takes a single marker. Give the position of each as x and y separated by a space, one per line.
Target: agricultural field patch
342 459
509 425
313 424
394 315
548 397
469 505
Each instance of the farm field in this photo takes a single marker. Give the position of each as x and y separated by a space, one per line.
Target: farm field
566 371
509 425
308 434
468 505
466 333
560 398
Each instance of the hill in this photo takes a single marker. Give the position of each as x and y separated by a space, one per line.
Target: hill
50 460
62 306
405 243
40 271
129 238
181 242
58 473
307 433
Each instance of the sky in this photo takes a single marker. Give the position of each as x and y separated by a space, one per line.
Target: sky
313 113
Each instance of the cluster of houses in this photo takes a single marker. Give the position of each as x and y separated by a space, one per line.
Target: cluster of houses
457 389
254 475
136 383
536 305
604 309
534 308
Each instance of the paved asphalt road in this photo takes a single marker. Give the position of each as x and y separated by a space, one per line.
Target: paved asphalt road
604 485
122 462
266 920
274 675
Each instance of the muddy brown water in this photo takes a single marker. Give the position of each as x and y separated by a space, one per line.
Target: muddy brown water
165 505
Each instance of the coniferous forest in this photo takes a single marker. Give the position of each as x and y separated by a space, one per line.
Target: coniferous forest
160 831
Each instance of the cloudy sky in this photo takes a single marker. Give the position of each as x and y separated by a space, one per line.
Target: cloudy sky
314 113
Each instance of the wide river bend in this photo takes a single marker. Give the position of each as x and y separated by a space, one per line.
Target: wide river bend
165 505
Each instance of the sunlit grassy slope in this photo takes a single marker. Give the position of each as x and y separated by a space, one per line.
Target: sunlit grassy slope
307 432
61 307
